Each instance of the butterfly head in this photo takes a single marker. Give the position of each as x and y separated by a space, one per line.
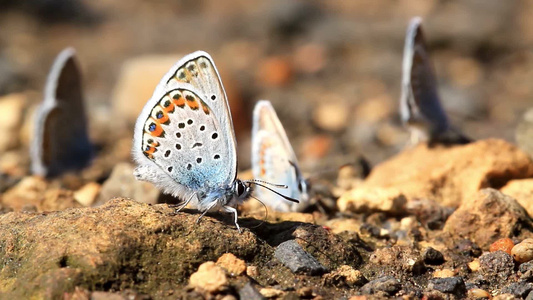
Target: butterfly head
241 189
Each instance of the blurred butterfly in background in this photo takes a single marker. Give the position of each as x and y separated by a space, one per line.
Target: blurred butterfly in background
184 142
61 142
420 106
273 160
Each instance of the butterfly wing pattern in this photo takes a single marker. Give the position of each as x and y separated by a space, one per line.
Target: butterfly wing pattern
273 160
61 141
420 106
184 141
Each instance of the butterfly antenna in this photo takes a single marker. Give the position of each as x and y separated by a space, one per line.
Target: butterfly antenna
256 181
266 211
273 191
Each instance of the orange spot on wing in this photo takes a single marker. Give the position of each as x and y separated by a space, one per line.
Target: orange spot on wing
192 103
179 100
164 117
157 130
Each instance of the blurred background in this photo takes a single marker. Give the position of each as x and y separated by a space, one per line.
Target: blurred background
332 69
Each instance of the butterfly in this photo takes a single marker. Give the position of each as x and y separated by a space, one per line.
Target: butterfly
61 141
420 106
184 142
273 160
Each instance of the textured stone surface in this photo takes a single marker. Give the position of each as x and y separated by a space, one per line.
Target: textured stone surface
294 257
450 175
487 217
522 191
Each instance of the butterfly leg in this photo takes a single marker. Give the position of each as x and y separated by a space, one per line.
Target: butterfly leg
206 210
234 211
186 202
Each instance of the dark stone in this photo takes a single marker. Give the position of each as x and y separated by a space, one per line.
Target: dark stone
449 285
248 291
387 284
526 270
433 257
496 264
519 289
294 257
468 248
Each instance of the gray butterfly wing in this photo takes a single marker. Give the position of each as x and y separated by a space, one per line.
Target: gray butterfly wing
274 161
181 141
419 104
61 141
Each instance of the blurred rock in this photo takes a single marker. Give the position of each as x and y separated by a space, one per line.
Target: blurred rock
310 58
122 183
505 245
331 113
11 114
488 217
372 199
523 251
387 284
87 194
209 277
518 289
450 285
294 257
345 276
29 190
398 258
316 147
478 294
136 83
248 291
464 72
341 224
274 71
522 191
232 264
450 175
433 257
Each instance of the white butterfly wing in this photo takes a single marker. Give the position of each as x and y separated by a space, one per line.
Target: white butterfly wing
274 161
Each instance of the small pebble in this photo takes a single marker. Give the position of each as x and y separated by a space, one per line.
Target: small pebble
252 271
523 251
248 291
332 114
293 256
444 273
474 265
232 264
519 289
345 275
209 277
433 257
496 264
478 294
87 194
505 245
450 285
387 284
271 293
305 292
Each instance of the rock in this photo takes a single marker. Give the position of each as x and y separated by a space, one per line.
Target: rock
274 71
28 191
386 284
331 114
122 183
518 289
497 265
429 213
372 199
474 265
132 90
12 109
522 191
248 291
444 273
294 257
505 245
271 293
87 194
398 259
433 257
340 225
523 251
449 285
109 244
345 276
252 271
232 264
526 271
449 175
209 277
478 294
467 247
488 216
505 297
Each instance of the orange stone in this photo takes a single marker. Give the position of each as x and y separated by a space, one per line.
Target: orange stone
505 245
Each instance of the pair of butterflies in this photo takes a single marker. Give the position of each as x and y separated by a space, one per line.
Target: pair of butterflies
184 143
